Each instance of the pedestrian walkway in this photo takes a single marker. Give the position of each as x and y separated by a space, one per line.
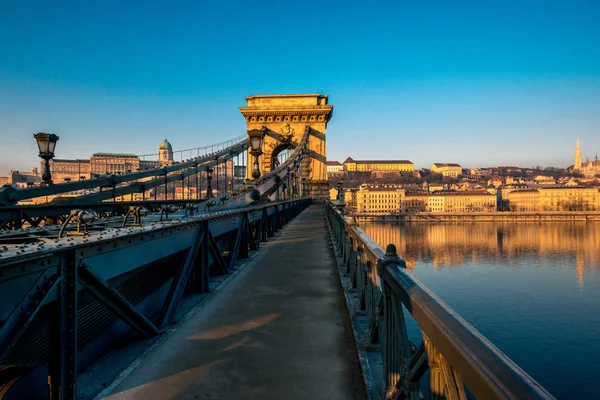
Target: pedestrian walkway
278 330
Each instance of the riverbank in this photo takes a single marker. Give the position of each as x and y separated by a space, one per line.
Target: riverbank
480 216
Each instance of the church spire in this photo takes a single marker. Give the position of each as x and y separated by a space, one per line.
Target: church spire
577 163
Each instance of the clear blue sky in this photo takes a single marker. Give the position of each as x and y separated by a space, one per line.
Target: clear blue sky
478 82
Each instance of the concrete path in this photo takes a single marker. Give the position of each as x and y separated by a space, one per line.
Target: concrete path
276 331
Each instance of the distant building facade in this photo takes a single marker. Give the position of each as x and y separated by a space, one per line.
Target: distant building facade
446 169
461 202
556 198
68 170
113 163
351 165
334 167
379 199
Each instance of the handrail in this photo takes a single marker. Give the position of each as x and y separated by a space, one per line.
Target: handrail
226 142
10 195
454 351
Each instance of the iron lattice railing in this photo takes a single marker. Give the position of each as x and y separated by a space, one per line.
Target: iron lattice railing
460 360
64 297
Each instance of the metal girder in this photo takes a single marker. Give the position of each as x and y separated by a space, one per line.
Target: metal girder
253 242
216 254
180 280
25 311
62 363
235 249
115 302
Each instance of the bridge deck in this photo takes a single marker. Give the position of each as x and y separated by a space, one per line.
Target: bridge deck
277 330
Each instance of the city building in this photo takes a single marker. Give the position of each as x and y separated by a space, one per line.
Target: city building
379 199
569 199
460 202
563 198
351 165
522 199
334 167
113 164
587 168
451 170
68 170
414 202
21 179
480 172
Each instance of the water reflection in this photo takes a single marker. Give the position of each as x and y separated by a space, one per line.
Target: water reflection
447 245
533 289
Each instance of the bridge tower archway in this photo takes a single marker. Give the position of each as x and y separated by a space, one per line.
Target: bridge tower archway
286 117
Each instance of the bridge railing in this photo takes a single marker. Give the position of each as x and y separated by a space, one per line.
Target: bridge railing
179 171
453 351
53 289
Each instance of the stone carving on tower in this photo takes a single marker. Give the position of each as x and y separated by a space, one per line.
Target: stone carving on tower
286 118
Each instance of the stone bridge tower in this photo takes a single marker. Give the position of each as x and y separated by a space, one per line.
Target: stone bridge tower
286 118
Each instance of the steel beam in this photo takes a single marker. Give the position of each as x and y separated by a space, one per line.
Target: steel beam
115 302
62 364
180 280
25 311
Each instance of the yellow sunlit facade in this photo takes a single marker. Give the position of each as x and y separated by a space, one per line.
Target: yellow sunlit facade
351 165
523 200
379 199
569 199
446 169
459 202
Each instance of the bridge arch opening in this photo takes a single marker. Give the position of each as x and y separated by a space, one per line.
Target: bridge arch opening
277 151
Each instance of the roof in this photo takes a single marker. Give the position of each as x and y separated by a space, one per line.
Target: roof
55 160
351 160
462 193
446 165
523 191
165 145
333 163
383 162
383 189
113 155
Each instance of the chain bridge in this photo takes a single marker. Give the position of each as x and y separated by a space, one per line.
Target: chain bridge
259 289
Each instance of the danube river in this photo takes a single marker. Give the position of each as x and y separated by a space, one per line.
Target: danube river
533 289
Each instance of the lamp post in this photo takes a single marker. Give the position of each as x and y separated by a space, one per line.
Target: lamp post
209 193
256 140
46 144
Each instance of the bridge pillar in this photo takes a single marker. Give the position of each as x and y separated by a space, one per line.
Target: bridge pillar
286 117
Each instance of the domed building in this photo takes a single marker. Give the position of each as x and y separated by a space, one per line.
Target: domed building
165 154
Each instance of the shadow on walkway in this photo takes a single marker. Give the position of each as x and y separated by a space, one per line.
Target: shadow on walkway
276 331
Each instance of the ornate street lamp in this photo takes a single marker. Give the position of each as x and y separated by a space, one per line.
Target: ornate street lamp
256 140
339 189
46 144
209 193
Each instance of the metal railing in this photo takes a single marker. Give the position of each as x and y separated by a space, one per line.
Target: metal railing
181 155
64 297
455 354
118 183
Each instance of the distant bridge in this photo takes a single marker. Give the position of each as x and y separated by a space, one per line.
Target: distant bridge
84 277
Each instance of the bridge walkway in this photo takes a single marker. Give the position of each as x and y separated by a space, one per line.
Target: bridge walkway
277 330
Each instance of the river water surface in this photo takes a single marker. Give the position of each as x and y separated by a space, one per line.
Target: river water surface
533 289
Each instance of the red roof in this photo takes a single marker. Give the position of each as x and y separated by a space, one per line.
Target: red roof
351 160
332 163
